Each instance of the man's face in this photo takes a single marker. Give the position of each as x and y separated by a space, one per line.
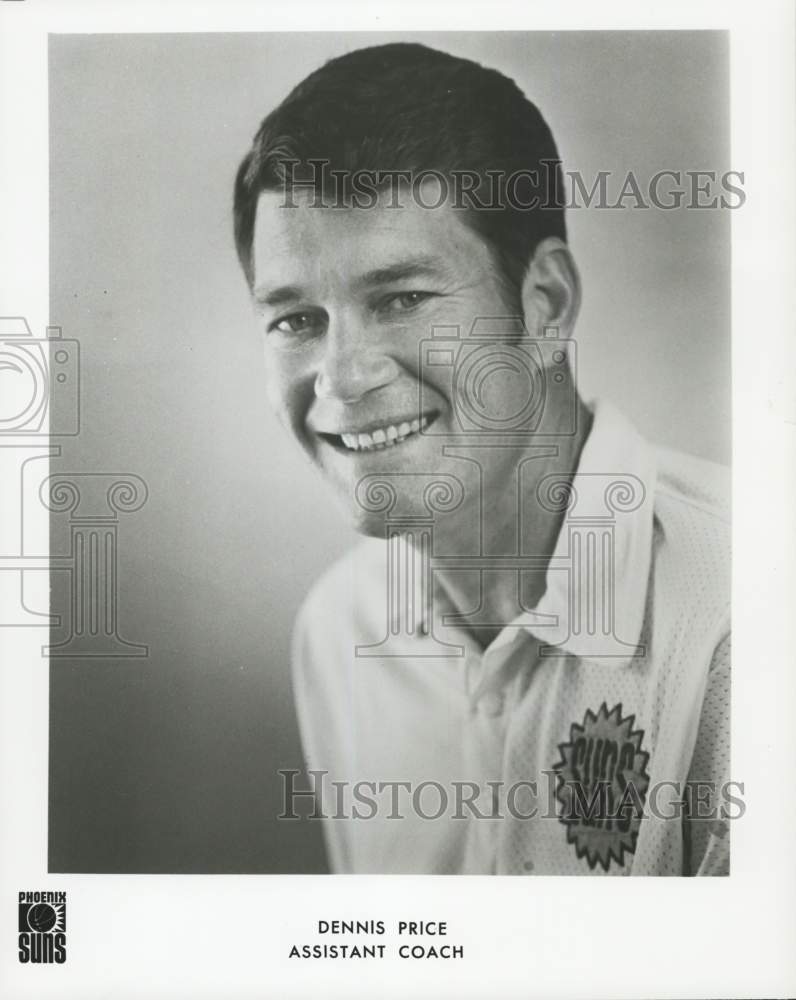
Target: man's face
346 296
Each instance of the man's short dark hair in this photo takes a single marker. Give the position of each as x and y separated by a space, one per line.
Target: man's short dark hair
407 107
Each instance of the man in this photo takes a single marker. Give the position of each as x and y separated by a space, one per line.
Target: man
525 667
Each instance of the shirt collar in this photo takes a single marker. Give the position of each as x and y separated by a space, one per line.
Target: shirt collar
597 579
596 583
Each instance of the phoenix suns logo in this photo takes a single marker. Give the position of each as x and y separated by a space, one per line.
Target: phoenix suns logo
602 785
42 927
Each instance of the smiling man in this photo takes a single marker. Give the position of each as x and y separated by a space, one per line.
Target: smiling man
524 667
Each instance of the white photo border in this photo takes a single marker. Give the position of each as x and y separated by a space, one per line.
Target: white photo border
136 936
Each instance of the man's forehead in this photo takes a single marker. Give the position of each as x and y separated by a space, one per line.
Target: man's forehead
299 234
298 217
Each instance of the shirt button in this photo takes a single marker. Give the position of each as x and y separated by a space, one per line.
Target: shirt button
492 703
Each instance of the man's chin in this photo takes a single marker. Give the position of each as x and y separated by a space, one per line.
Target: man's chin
374 498
375 506
369 525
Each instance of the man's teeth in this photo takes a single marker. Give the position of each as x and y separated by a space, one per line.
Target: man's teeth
384 437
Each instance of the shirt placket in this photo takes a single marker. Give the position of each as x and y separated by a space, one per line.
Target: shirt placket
489 691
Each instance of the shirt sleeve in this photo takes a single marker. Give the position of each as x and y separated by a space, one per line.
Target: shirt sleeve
706 830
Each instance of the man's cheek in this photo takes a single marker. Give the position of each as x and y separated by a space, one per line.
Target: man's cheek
279 377
290 397
275 395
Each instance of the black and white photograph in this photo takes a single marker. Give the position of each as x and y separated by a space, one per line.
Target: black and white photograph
389 444
426 390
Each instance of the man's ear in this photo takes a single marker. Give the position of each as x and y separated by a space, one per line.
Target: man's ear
551 289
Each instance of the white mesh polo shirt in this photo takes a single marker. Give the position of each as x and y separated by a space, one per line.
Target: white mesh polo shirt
591 737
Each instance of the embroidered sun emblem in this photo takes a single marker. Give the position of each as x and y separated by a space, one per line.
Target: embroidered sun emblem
602 785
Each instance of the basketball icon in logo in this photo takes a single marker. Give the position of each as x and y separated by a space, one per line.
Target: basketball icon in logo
42 917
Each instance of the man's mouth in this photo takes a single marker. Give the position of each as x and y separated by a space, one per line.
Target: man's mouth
379 438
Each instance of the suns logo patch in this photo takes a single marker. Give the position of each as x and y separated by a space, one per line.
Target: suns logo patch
602 784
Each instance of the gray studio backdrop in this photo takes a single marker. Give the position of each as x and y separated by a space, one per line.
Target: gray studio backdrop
168 763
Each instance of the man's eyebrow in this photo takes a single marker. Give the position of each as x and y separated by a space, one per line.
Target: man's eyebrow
415 267
277 296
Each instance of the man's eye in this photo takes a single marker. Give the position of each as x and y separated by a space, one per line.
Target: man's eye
406 300
295 323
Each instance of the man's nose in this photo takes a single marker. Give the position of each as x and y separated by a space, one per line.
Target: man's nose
353 364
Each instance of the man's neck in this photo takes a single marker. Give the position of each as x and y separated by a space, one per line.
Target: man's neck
501 529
